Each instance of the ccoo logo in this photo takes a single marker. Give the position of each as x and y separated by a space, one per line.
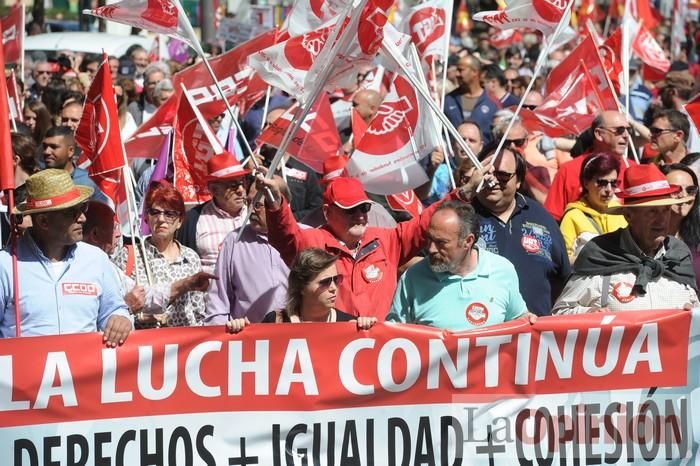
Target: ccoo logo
427 25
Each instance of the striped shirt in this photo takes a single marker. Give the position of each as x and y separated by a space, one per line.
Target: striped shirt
212 227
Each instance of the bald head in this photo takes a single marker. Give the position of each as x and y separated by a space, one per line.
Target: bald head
534 98
366 103
609 133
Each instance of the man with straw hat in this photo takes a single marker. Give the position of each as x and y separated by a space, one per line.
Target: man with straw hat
638 267
66 285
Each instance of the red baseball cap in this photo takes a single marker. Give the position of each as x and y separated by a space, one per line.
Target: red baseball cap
345 192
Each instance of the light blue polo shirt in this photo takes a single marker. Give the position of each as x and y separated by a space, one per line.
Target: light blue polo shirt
488 295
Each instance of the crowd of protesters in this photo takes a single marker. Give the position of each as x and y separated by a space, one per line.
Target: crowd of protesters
550 225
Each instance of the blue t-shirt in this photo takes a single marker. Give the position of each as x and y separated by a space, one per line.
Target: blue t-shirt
532 241
488 295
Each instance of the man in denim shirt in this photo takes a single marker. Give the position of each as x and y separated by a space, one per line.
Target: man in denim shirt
65 285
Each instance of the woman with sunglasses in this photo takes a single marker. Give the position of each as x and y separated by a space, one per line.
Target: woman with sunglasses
587 217
174 268
685 218
311 294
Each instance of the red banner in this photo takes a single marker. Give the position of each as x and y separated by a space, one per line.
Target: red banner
269 381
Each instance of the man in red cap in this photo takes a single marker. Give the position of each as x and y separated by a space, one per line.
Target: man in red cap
368 257
638 267
207 225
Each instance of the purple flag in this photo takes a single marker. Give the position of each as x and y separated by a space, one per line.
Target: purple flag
159 173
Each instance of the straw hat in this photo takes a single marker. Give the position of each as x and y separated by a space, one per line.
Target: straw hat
52 189
645 186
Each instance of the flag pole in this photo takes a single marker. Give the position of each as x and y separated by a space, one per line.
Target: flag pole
21 51
13 248
13 120
538 67
339 41
266 106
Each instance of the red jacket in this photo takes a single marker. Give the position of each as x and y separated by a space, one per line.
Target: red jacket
370 278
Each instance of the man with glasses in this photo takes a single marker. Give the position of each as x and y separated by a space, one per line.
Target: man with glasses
611 132
669 133
519 229
368 257
207 225
66 286
238 293
144 108
42 73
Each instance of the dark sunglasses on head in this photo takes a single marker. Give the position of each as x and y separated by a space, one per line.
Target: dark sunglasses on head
618 130
601 183
362 208
503 177
326 282
516 142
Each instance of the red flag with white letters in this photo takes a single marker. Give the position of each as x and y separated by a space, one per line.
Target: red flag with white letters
649 51
309 15
543 15
98 133
317 138
406 201
428 24
13 33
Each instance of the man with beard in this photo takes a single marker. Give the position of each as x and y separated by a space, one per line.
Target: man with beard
207 225
458 286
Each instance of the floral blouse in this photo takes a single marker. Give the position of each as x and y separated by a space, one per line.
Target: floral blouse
188 309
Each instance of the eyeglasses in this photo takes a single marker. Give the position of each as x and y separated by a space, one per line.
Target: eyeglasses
170 215
256 205
618 130
602 183
503 177
529 107
75 212
233 185
43 72
691 190
659 131
362 208
326 282
516 142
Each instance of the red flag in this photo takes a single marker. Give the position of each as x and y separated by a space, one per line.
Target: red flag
317 138
543 15
159 16
194 144
611 53
98 133
16 101
13 33
429 27
359 126
650 52
113 185
7 169
505 38
152 134
645 13
309 15
692 108
570 108
406 201
585 51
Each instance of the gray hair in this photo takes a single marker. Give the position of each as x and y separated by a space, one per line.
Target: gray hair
501 120
164 85
156 66
468 219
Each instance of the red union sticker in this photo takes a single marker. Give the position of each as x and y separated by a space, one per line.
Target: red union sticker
530 244
477 314
85 289
623 292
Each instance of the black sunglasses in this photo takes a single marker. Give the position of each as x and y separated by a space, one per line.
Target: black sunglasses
516 142
618 130
503 177
601 183
659 131
170 215
76 211
362 208
326 282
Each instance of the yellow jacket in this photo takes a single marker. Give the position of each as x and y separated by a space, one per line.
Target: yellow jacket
579 218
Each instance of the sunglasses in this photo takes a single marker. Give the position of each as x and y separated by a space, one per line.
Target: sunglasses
516 142
42 72
362 208
234 185
326 282
601 183
503 177
76 211
530 107
618 130
691 190
170 215
256 205
659 131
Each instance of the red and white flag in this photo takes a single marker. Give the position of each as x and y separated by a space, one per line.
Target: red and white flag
113 185
543 15
586 51
649 51
98 133
428 24
152 133
570 108
317 138
358 126
194 144
16 101
160 16
7 169
402 133
505 38
13 33
309 15
406 201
